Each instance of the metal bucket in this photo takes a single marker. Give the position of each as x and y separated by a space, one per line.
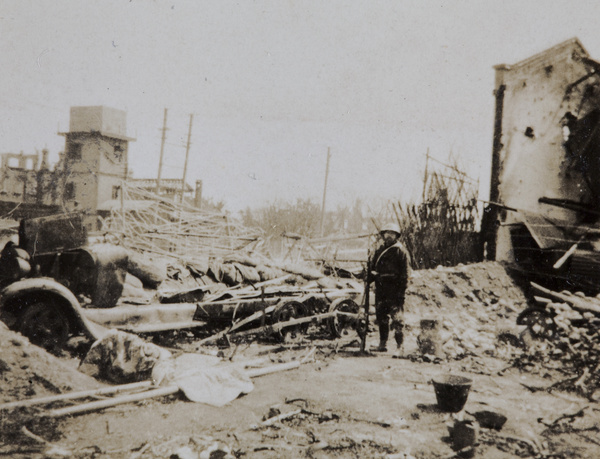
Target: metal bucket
451 392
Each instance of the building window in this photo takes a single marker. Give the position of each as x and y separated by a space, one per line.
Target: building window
69 191
115 191
74 150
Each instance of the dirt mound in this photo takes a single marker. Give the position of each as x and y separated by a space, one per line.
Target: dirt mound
28 371
473 303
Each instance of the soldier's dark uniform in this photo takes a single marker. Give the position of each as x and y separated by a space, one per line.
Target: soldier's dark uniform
392 269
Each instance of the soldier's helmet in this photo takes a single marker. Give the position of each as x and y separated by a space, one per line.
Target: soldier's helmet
390 227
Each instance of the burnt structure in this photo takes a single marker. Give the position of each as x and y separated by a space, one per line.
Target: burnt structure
545 180
88 173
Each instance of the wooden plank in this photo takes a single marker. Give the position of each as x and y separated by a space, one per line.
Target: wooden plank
100 404
255 372
257 315
159 392
75 395
303 320
151 328
574 301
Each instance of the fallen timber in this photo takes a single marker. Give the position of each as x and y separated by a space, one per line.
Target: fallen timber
155 392
576 302
111 390
246 305
274 328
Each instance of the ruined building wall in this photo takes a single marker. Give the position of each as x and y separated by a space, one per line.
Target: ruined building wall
531 161
96 165
95 157
89 172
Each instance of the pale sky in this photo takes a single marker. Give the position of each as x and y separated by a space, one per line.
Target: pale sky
274 84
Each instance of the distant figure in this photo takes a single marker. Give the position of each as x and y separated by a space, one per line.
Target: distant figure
390 268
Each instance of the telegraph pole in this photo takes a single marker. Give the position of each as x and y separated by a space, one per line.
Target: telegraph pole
325 190
187 155
425 178
162 152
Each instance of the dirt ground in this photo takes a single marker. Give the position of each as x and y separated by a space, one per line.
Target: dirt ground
350 405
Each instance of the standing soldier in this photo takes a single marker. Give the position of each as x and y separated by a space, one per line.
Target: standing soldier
390 268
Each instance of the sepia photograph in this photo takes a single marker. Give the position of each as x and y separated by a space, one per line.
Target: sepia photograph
299 229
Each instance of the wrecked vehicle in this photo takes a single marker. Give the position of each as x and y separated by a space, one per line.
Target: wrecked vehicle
56 285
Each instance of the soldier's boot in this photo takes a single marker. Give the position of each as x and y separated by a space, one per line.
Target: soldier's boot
399 337
384 333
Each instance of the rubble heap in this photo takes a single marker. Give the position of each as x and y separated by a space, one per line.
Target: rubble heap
473 303
567 341
27 370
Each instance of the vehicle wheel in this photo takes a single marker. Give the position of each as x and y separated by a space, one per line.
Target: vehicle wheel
342 326
45 324
289 311
539 322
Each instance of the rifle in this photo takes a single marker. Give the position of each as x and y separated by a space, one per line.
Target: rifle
366 299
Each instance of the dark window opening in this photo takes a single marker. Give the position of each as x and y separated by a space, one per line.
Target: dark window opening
115 191
74 150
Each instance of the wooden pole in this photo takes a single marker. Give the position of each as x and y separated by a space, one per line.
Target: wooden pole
123 222
325 190
160 392
162 152
576 302
93 406
255 372
290 323
425 175
367 305
187 155
76 395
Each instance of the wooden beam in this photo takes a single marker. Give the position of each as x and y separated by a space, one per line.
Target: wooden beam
76 395
95 406
159 392
302 320
255 372
574 301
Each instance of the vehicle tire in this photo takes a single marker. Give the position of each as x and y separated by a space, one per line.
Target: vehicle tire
539 322
288 311
45 323
342 326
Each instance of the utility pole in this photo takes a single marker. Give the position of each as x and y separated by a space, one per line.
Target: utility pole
425 178
187 155
162 153
325 190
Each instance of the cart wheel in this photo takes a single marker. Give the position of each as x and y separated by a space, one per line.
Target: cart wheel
289 311
342 326
539 322
45 324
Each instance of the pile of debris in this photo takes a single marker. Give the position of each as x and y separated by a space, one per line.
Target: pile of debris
472 304
565 328
27 370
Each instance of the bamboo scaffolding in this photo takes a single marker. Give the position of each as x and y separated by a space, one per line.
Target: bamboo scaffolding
146 222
